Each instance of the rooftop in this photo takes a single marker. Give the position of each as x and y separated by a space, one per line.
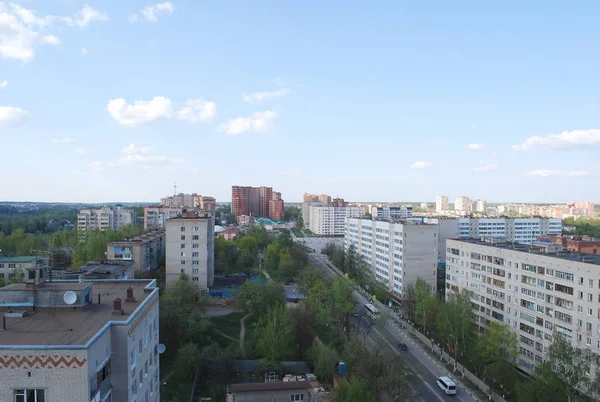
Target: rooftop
18 259
270 386
536 248
184 215
65 324
141 239
118 269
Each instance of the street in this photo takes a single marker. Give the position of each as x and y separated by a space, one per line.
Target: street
425 367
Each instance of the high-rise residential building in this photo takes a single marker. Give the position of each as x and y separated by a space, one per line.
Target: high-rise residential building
146 251
330 220
441 203
155 217
324 198
463 204
81 341
425 206
479 206
537 290
256 201
190 240
586 208
306 211
396 212
398 252
205 203
276 206
180 200
105 218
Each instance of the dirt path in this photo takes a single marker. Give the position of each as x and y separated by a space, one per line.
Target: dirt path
267 275
226 336
242 335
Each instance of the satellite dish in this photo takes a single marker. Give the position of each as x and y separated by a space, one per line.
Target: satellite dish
160 348
70 297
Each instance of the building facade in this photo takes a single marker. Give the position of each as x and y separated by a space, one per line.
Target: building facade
205 203
463 204
397 252
324 198
12 269
331 221
535 289
306 211
180 200
479 206
397 212
146 251
105 218
190 250
256 201
87 341
441 203
155 217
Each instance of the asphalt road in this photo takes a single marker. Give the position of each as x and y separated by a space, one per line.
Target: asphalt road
426 368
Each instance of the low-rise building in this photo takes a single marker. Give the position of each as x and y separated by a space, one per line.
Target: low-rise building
80 341
271 392
12 269
228 234
575 244
96 270
146 251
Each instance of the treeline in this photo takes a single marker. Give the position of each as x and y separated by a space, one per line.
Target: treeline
491 353
20 243
94 246
43 220
583 227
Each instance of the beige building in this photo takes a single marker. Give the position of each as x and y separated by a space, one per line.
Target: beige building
272 392
180 200
441 203
105 218
12 269
146 250
536 289
155 217
190 239
463 204
80 341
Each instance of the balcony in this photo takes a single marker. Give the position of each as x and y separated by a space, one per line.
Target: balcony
102 390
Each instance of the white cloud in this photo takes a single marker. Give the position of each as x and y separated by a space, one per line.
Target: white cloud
3 84
151 13
140 111
555 173
79 150
565 140
196 110
64 140
13 116
476 146
137 158
258 122
258 97
159 107
84 51
22 30
420 165
486 168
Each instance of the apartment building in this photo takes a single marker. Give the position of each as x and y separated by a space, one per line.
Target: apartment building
155 217
398 252
146 251
180 200
535 289
330 220
80 341
190 240
256 201
205 203
12 269
306 211
105 218
463 204
441 203
479 206
396 212
324 198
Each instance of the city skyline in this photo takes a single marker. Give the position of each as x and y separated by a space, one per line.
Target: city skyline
115 102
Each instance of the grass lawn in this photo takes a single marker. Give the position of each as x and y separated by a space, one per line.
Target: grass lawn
176 389
229 324
298 233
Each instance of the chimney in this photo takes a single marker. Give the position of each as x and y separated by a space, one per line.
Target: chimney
117 310
130 298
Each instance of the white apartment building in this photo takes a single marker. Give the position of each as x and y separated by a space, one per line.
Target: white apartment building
330 220
190 248
479 206
86 341
105 218
398 252
306 211
535 289
463 204
180 200
155 217
397 212
441 203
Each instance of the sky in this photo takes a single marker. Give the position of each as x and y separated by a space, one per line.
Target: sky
387 101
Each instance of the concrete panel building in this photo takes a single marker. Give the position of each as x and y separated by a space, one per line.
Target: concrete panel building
190 240
105 218
330 220
396 212
441 203
463 204
306 211
80 341
146 251
12 269
536 289
155 217
398 252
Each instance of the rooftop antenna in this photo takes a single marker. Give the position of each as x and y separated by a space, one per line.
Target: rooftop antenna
175 189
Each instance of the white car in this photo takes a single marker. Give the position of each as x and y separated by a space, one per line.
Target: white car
446 385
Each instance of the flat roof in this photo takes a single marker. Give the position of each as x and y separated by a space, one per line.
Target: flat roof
140 239
71 326
270 386
18 259
530 248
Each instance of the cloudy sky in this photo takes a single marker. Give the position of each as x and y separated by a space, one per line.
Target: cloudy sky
389 101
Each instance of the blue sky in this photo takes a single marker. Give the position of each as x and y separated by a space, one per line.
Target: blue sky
372 101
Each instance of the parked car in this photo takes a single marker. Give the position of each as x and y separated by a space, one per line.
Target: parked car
402 346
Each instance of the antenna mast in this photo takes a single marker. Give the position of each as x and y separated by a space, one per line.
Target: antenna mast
175 189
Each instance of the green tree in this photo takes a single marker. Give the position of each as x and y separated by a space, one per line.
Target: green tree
256 298
455 324
497 348
188 360
274 333
340 305
354 390
410 302
305 321
546 386
324 359
426 305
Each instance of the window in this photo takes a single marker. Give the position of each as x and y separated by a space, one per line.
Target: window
182 237
195 279
196 262
140 347
195 237
183 228
183 270
589 312
195 245
182 245
182 262
195 254
33 395
196 229
296 397
132 358
590 282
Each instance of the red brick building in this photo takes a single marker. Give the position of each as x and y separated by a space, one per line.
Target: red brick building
575 244
256 201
